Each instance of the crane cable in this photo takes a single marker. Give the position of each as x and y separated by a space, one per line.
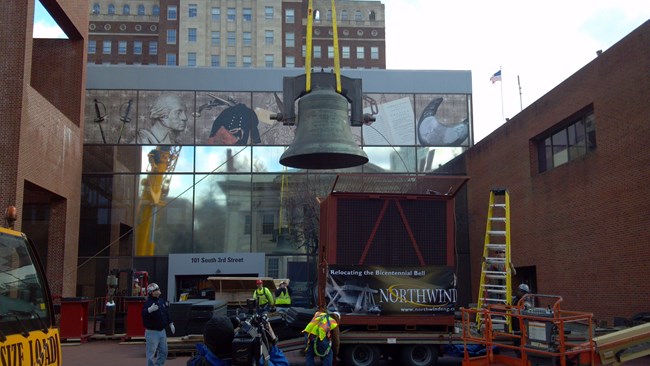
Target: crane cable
308 51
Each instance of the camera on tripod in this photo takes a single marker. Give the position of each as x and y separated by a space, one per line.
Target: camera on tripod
253 338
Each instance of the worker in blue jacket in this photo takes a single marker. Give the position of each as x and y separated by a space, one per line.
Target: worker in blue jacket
155 319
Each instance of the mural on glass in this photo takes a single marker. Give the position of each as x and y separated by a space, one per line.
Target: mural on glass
394 120
225 118
164 119
443 120
110 116
272 132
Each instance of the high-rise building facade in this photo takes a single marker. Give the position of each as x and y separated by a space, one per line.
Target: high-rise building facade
235 33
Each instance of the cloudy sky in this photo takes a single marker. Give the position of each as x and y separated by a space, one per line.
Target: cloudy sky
542 43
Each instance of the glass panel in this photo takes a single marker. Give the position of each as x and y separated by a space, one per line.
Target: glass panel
211 159
22 295
267 159
110 116
168 120
106 219
271 132
225 118
577 140
389 159
222 204
395 121
560 152
590 126
164 215
429 159
442 120
178 159
108 159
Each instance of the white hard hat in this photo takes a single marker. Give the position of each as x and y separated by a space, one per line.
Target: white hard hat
524 287
152 287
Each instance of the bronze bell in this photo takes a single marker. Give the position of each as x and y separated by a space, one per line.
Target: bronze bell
323 135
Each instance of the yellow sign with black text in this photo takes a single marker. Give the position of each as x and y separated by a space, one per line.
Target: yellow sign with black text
38 349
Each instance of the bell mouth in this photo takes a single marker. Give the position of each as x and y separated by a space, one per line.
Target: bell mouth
324 160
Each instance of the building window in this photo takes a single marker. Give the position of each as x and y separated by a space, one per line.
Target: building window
192 11
304 50
92 47
273 268
268 12
372 16
290 61
126 9
360 53
289 39
216 14
155 10
215 61
191 59
231 61
232 38
172 12
328 15
344 15
268 37
153 47
247 38
248 224
317 51
268 60
268 223
232 14
111 9
140 9
247 14
247 61
96 9
358 16
171 36
374 53
330 51
137 47
573 140
346 52
171 59
121 47
191 34
107 48
215 38
289 16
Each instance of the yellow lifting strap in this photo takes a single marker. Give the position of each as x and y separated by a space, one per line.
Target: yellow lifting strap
308 51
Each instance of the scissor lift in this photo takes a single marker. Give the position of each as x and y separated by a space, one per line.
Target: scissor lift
549 335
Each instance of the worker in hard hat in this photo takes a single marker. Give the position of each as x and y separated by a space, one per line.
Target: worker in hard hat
263 296
322 338
283 295
156 319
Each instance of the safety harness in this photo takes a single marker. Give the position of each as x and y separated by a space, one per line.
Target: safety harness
317 329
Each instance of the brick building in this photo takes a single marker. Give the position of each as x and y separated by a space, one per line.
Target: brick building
575 163
42 131
234 34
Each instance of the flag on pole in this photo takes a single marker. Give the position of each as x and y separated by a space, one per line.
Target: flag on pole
496 77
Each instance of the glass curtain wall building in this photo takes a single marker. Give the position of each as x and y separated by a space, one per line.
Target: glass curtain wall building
186 160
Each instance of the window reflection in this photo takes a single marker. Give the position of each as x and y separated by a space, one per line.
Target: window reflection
221 159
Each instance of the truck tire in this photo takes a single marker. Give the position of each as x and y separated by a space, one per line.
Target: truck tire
419 355
361 355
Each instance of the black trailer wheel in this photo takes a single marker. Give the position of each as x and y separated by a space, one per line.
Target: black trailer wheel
361 355
419 355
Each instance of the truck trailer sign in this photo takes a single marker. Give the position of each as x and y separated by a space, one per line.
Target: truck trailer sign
368 290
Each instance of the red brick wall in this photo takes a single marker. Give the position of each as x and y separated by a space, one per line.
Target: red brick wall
42 108
583 225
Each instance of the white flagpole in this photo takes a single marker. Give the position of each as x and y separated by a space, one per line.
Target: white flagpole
521 105
503 116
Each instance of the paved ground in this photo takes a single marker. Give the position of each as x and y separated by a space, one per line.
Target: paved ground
115 353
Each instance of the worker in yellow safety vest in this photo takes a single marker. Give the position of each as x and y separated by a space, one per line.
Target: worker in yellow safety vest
322 338
263 297
283 295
